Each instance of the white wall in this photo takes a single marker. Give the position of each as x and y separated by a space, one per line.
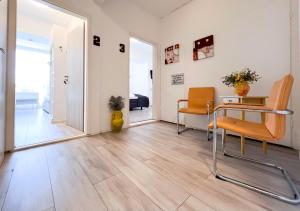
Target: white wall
295 45
141 62
142 25
138 22
254 34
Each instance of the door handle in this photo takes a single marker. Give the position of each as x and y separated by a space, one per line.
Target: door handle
1 49
66 81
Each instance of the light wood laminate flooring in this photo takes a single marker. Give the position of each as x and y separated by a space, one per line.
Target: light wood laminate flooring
33 126
147 167
138 115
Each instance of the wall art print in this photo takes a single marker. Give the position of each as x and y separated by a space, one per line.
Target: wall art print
203 48
177 79
172 54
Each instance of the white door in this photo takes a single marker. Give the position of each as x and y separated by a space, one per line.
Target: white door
75 74
3 32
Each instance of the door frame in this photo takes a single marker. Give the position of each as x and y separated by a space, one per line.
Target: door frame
156 80
3 73
11 63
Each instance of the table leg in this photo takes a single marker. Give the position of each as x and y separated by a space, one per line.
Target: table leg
263 117
243 115
242 136
242 145
265 147
264 143
224 139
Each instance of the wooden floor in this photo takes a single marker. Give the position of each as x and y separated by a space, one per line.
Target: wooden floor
143 168
33 126
138 115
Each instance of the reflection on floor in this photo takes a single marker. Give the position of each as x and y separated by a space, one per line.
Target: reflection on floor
140 115
34 126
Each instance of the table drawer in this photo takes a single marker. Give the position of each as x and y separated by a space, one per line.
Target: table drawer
230 100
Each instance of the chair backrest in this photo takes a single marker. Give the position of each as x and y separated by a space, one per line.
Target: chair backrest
199 96
278 100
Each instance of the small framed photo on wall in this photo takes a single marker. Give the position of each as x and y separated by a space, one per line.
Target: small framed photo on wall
177 79
172 54
203 48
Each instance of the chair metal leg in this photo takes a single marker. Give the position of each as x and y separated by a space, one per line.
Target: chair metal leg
294 200
208 121
215 145
208 133
181 131
178 119
185 129
223 140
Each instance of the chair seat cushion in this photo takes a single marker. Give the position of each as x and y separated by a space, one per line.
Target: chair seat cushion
197 111
249 129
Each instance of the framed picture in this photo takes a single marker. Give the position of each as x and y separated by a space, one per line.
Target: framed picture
177 79
172 54
203 48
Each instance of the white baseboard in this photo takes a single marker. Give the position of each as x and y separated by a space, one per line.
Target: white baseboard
142 123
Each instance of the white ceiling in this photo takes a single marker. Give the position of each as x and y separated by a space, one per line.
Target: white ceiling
45 13
160 8
35 21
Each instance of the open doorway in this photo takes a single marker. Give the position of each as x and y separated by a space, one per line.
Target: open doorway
141 81
49 76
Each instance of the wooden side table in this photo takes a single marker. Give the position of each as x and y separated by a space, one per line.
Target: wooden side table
251 100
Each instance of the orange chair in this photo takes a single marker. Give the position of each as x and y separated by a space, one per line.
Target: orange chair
272 130
200 102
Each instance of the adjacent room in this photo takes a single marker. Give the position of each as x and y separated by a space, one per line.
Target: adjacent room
45 54
125 105
140 81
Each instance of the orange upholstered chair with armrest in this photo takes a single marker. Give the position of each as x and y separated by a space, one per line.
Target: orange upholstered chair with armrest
200 102
272 130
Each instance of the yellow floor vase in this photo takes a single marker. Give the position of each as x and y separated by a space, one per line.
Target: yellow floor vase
117 121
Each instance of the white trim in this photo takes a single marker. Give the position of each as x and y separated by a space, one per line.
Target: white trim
136 124
55 141
10 76
156 79
58 6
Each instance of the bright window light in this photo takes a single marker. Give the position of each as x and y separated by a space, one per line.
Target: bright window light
33 72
